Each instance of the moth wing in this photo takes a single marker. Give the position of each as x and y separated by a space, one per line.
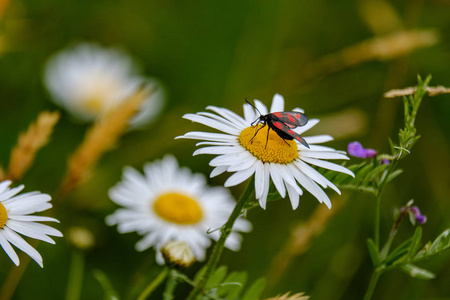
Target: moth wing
285 128
292 119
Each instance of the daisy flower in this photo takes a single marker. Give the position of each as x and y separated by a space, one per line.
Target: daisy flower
15 219
89 81
266 155
169 203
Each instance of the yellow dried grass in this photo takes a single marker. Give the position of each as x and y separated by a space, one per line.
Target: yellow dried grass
29 143
102 137
298 296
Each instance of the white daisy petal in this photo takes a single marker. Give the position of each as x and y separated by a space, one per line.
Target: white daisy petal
312 187
293 196
236 151
15 209
228 114
324 155
239 177
155 204
277 179
8 249
212 123
21 244
89 81
208 136
218 170
311 123
259 179
277 103
327 165
317 139
261 107
250 114
218 150
219 119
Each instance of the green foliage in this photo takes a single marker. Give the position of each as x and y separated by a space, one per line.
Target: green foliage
408 253
439 245
369 175
230 286
110 293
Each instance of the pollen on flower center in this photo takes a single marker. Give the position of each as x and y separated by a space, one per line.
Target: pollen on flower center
277 150
178 208
3 216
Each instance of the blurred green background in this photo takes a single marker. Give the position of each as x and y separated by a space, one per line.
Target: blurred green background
320 55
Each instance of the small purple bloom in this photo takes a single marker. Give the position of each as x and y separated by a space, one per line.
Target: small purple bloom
357 150
419 217
385 161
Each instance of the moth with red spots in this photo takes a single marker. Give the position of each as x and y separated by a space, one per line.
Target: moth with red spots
282 123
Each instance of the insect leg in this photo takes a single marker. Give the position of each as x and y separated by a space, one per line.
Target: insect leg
251 140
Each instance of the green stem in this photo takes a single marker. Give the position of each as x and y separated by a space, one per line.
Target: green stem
154 284
378 202
75 275
373 282
170 285
225 232
377 220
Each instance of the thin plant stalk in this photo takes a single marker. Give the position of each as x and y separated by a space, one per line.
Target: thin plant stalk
241 205
76 271
154 284
15 274
170 285
373 282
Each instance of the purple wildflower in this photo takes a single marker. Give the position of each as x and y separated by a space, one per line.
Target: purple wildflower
385 161
419 217
357 150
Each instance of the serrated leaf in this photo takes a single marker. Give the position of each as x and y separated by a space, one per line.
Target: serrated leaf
373 252
255 290
416 272
232 285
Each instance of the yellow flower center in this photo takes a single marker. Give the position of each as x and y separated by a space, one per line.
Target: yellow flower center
3 216
178 208
272 150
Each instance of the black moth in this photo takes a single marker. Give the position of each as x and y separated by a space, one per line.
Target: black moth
282 123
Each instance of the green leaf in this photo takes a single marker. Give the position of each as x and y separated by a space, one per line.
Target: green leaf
232 285
255 290
439 245
199 274
110 293
394 174
374 254
415 243
216 278
399 254
372 176
417 272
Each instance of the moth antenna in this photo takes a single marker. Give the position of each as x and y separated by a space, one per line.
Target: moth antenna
253 106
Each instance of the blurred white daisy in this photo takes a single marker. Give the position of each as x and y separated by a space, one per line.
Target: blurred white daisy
89 81
15 219
169 203
287 162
